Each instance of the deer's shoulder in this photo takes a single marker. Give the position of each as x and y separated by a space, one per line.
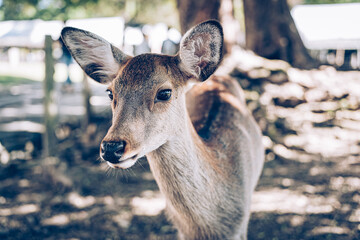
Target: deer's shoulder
217 107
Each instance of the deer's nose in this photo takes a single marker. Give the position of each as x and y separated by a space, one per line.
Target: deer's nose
112 151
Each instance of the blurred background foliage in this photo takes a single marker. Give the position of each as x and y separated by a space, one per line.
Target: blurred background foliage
329 1
310 121
132 10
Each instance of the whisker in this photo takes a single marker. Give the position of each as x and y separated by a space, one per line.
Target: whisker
140 163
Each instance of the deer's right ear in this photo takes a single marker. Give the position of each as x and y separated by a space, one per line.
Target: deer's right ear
96 56
201 49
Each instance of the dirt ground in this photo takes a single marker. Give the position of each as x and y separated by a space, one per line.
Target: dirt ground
309 189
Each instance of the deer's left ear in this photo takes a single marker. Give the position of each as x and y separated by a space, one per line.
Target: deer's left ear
201 49
96 56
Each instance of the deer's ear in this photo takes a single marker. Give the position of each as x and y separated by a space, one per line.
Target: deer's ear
96 56
201 49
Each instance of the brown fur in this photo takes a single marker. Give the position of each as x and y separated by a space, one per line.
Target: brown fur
203 146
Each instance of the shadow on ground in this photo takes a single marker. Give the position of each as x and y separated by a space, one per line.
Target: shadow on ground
310 187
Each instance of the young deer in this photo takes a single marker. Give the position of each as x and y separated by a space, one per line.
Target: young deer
203 146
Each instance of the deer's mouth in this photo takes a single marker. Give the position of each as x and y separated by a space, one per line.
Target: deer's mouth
124 164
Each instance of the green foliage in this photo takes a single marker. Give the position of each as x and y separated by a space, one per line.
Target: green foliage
329 1
154 11
11 80
55 9
133 10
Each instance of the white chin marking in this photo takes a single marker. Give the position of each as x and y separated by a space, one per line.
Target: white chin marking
123 165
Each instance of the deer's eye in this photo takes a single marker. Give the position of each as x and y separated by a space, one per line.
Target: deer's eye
163 95
110 94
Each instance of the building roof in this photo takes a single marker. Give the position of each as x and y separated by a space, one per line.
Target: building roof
31 33
328 26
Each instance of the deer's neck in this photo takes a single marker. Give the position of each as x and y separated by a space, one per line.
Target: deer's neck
181 161
185 176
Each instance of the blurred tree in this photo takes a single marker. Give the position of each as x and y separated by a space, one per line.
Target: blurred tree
194 12
329 1
133 10
269 28
271 33
152 12
231 25
43 9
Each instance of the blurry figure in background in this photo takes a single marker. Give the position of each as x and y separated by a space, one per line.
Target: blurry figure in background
155 39
157 35
133 39
171 44
67 59
143 47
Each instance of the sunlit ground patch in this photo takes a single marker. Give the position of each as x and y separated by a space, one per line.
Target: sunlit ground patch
19 210
150 204
287 201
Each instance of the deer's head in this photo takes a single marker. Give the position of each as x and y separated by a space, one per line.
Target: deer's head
147 92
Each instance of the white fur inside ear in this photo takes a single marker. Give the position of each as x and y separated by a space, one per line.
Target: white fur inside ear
201 46
193 55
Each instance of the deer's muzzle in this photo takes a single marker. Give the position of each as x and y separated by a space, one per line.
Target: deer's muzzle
112 151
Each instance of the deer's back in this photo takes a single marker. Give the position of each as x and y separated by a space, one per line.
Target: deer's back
219 114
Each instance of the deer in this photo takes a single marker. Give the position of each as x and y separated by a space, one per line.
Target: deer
203 146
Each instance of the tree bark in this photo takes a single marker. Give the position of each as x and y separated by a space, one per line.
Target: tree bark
271 33
231 26
194 12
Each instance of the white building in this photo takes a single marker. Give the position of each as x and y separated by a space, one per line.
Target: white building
330 31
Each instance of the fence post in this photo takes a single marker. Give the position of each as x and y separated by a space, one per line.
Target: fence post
50 108
86 99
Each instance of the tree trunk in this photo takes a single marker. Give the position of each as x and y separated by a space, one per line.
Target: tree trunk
194 12
271 33
230 25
